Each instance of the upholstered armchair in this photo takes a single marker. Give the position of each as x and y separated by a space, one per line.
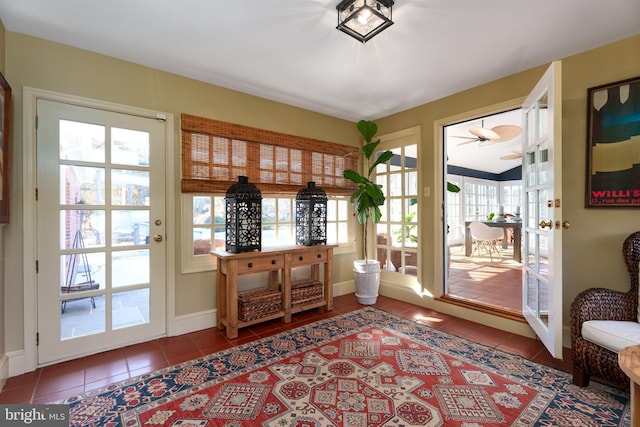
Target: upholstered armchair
591 359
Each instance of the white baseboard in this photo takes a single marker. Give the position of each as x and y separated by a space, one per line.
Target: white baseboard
16 363
343 288
404 293
4 370
194 322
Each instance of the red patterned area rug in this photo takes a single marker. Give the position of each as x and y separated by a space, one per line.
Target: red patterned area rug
363 369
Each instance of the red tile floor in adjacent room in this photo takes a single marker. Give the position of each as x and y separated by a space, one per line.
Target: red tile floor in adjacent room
66 379
496 282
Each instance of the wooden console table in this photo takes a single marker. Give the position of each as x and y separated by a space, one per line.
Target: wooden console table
277 262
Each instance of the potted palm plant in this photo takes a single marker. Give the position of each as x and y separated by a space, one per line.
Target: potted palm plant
367 199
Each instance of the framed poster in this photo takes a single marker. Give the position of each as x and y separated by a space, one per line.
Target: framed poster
5 148
613 145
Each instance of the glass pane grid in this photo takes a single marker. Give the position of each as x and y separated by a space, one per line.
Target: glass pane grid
102 208
398 228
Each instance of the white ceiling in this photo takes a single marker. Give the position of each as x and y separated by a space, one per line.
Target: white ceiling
484 157
290 51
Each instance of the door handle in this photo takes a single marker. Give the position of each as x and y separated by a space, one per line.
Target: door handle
158 238
544 224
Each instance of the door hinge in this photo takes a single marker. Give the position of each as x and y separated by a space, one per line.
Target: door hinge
37 339
36 194
37 122
37 266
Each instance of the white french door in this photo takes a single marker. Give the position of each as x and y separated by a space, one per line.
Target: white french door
542 226
101 279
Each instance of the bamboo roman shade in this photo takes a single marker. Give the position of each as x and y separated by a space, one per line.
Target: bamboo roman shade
215 153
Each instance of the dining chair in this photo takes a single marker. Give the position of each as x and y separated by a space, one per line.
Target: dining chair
486 239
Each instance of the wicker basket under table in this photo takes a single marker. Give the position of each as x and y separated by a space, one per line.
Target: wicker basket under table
257 303
306 292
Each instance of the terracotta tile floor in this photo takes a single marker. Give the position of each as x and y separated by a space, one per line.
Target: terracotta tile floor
63 380
478 279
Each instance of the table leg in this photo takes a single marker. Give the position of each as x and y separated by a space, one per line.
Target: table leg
467 241
328 279
634 402
221 296
517 243
232 299
286 289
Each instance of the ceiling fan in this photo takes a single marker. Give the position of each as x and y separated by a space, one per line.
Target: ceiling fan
514 156
489 136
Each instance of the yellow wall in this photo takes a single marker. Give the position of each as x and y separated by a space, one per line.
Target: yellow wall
591 247
45 65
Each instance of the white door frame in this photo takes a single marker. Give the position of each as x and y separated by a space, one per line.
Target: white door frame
435 285
29 110
441 183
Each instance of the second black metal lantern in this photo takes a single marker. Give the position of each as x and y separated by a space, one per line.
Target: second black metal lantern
243 216
311 216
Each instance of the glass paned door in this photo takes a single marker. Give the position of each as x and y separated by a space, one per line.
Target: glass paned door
101 250
542 179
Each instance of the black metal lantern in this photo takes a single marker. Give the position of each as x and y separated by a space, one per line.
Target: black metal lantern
363 19
243 228
311 216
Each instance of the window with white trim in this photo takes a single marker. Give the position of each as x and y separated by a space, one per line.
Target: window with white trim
397 232
203 227
215 153
480 199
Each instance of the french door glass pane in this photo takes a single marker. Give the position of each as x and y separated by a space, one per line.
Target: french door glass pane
129 187
543 257
129 227
82 228
81 272
129 147
543 116
81 319
130 308
129 267
81 185
544 170
532 294
82 141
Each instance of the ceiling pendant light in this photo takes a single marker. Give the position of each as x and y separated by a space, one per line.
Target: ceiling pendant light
363 19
